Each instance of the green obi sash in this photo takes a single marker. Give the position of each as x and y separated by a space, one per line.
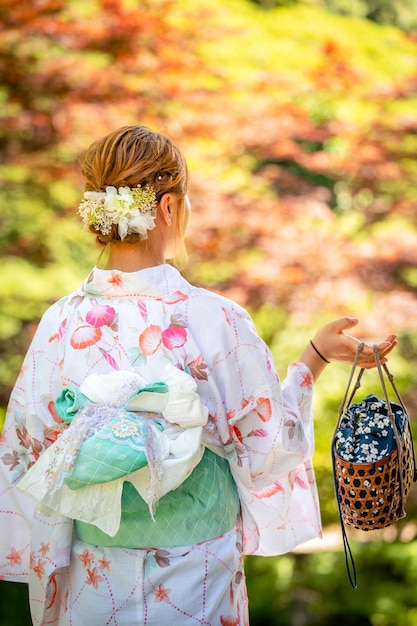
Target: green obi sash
203 507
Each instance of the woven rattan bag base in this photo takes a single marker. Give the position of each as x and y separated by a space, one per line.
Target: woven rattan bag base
373 459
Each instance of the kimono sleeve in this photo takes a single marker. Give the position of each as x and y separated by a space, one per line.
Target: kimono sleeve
30 426
267 427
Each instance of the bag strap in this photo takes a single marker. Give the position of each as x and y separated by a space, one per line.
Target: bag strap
349 560
383 367
398 440
407 425
357 383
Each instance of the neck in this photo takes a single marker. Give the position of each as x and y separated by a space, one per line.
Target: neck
131 258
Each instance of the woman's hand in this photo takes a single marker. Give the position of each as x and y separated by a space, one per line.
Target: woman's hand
334 344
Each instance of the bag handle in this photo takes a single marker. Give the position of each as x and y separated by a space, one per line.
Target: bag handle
357 383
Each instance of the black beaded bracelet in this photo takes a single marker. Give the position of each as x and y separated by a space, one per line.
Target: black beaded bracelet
319 353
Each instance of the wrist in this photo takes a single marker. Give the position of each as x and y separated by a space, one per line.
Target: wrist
319 352
314 362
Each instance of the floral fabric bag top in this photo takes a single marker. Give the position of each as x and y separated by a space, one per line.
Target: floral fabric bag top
365 433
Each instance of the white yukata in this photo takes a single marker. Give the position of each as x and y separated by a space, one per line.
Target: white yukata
145 324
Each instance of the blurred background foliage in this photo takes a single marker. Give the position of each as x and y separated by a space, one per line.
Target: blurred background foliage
298 119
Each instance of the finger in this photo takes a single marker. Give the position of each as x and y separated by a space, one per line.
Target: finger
367 359
391 339
386 346
343 323
367 355
370 364
387 350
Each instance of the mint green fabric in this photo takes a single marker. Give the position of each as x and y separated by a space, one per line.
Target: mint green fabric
205 506
115 450
68 403
158 387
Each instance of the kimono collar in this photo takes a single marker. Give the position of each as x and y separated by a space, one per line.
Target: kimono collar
157 282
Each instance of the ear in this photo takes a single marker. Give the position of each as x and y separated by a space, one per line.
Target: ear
166 205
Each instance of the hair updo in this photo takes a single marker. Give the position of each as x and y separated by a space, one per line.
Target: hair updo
132 156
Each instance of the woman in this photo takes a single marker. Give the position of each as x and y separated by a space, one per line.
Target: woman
149 443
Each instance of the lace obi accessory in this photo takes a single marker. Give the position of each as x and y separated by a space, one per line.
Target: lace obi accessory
120 428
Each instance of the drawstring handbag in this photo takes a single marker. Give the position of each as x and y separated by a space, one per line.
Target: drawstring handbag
373 459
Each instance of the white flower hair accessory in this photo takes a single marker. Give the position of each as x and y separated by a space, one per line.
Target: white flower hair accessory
132 209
